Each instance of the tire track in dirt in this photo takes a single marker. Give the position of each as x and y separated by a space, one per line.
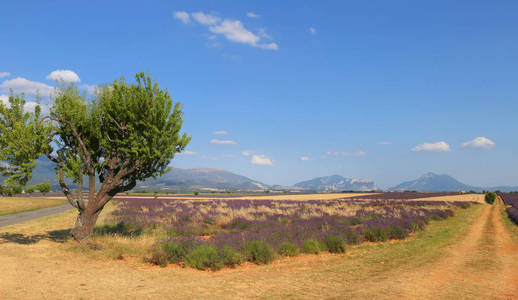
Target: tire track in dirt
481 265
507 251
429 281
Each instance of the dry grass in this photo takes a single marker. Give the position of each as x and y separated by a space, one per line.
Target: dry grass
65 270
299 197
11 205
465 197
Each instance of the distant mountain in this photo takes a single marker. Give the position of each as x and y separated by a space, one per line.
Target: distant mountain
431 182
337 183
203 178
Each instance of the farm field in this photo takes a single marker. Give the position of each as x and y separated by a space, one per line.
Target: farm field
11 205
456 257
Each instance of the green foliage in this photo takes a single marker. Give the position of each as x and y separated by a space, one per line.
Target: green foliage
17 189
335 243
288 248
44 187
231 257
176 251
196 193
490 197
311 246
159 257
258 252
30 189
22 141
204 257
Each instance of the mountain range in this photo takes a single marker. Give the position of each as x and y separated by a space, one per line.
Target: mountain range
210 179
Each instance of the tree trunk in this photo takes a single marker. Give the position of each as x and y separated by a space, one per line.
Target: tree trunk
84 225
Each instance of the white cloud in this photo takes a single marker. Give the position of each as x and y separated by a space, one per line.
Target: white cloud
251 14
223 142
4 99
304 158
232 30
182 16
247 152
385 143
205 19
187 152
220 132
4 74
63 75
312 30
435 147
90 89
30 106
354 153
22 85
261 160
480 142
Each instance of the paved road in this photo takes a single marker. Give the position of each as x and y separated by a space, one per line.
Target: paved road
30 215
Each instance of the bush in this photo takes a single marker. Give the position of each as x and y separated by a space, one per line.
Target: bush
159 257
288 248
231 257
375 234
176 251
310 246
490 197
44 187
396 232
196 193
30 189
204 257
258 252
335 243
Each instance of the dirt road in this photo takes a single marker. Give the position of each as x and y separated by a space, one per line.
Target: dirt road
481 265
30 215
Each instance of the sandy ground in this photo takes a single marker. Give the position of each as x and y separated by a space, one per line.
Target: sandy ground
466 197
484 261
319 196
481 264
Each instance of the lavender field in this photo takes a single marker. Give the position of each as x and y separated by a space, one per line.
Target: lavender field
511 200
212 233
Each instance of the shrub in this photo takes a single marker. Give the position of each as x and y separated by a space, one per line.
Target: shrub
396 232
258 252
196 193
288 248
30 189
176 251
490 197
310 246
335 243
44 187
231 257
204 257
159 257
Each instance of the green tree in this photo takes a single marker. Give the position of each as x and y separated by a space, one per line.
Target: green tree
30 189
22 141
127 133
44 187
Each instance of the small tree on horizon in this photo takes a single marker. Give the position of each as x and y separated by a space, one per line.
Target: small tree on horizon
127 133
44 187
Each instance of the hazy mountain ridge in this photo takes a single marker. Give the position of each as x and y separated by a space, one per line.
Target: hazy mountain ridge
217 179
431 182
337 183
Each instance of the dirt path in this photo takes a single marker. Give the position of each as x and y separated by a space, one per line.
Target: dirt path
481 265
30 215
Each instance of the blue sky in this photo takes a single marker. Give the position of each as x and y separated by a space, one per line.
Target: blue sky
386 90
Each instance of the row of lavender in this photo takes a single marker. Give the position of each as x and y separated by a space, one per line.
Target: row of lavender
511 199
233 224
